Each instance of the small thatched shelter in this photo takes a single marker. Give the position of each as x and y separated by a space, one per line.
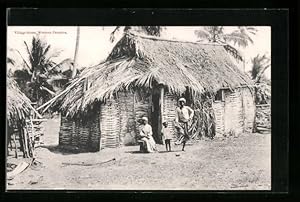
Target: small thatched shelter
144 76
18 105
18 110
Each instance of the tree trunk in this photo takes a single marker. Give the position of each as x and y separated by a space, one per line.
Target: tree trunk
76 53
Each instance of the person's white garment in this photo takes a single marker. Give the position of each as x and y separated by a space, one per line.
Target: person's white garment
184 114
166 133
150 144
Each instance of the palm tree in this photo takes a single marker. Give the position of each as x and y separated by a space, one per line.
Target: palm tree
76 53
259 66
241 36
262 85
39 68
212 34
149 30
215 34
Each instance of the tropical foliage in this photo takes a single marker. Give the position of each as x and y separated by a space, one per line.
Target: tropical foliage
262 84
241 36
259 66
40 76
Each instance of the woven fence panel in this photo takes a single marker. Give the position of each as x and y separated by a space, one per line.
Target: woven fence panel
219 108
127 118
249 110
234 120
169 111
110 124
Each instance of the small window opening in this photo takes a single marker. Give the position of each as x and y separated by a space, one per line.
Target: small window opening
219 96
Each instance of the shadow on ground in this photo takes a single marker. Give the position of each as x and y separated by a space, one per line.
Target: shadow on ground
57 149
139 152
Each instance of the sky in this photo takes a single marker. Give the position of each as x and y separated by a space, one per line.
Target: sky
94 44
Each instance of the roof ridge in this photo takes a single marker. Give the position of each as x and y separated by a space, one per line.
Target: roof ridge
170 40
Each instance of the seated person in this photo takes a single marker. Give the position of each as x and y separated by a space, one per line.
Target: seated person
149 144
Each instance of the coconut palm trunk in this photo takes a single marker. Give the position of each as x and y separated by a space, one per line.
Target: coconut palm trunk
76 53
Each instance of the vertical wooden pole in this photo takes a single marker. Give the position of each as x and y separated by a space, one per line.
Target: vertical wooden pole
21 140
15 144
243 110
134 116
26 134
100 128
74 70
161 111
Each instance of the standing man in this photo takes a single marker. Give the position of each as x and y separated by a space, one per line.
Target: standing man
184 114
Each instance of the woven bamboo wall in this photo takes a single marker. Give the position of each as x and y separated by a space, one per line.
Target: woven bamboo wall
127 118
110 124
169 110
219 110
79 135
66 131
249 110
142 107
234 116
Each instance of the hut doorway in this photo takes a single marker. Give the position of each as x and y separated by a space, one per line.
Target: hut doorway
156 117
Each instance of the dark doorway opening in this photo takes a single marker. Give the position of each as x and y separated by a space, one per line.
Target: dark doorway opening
156 117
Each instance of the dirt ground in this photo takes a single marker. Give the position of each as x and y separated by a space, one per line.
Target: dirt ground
242 163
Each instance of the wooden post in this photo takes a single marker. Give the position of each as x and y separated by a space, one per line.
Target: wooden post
74 70
15 144
26 134
100 131
161 111
243 110
21 140
134 115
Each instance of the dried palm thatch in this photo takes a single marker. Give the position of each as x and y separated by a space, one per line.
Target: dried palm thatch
204 124
138 61
18 105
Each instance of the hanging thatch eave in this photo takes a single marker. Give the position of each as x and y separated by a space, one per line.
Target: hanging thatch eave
135 62
18 105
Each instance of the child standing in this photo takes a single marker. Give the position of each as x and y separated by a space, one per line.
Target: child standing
166 135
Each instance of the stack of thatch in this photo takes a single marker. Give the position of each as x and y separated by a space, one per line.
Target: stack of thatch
204 124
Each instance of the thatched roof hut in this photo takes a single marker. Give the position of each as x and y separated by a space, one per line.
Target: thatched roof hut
140 63
18 105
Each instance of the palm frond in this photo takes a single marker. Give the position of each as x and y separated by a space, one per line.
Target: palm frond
236 38
203 34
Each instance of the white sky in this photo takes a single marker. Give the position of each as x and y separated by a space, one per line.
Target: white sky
94 45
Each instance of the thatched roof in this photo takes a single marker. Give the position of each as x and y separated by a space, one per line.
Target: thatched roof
18 105
137 61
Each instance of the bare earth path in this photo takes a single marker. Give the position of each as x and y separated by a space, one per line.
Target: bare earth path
241 163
